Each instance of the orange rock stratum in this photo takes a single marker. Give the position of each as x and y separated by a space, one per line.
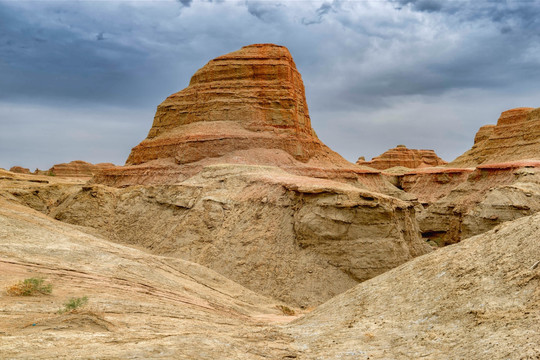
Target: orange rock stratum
245 107
401 156
514 138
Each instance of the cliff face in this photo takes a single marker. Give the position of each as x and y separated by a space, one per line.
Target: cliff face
401 156
449 304
515 137
298 239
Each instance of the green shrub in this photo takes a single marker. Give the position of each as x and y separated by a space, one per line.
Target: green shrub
30 287
73 304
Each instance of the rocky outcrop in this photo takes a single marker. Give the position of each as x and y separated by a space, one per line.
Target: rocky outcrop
19 170
460 203
478 299
246 107
298 239
139 305
77 169
432 184
516 137
450 304
403 157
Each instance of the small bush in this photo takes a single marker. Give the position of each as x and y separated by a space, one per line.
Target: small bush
74 304
286 310
30 287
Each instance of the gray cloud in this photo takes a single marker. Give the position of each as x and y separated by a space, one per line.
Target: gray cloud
323 10
372 70
424 5
265 11
186 2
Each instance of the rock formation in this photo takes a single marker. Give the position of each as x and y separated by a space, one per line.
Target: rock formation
77 169
19 170
246 107
515 137
139 305
450 304
478 299
298 239
473 202
401 156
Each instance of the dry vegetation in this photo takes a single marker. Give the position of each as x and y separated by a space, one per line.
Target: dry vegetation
29 287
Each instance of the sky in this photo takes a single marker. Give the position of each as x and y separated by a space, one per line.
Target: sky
80 80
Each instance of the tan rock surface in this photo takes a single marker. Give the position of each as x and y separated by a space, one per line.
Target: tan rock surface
403 157
246 107
140 305
298 239
516 137
479 299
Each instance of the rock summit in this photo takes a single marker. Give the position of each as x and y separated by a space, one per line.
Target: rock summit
404 157
246 107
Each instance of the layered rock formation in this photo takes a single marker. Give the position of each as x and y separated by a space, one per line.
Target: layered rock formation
450 304
456 203
19 170
477 201
403 157
77 169
298 239
246 107
515 137
478 299
139 305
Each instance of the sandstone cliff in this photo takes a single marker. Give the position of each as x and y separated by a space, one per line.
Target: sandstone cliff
456 203
401 156
477 201
450 304
246 107
515 137
298 239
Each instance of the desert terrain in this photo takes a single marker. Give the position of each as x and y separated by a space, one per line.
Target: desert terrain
233 232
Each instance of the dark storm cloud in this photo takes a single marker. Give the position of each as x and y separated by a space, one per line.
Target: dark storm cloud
523 11
186 2
49 57
371 68
424 5
324 9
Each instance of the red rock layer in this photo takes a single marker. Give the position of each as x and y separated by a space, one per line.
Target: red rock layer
515 137
401 156
250 98
77 168
246 107
19 170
